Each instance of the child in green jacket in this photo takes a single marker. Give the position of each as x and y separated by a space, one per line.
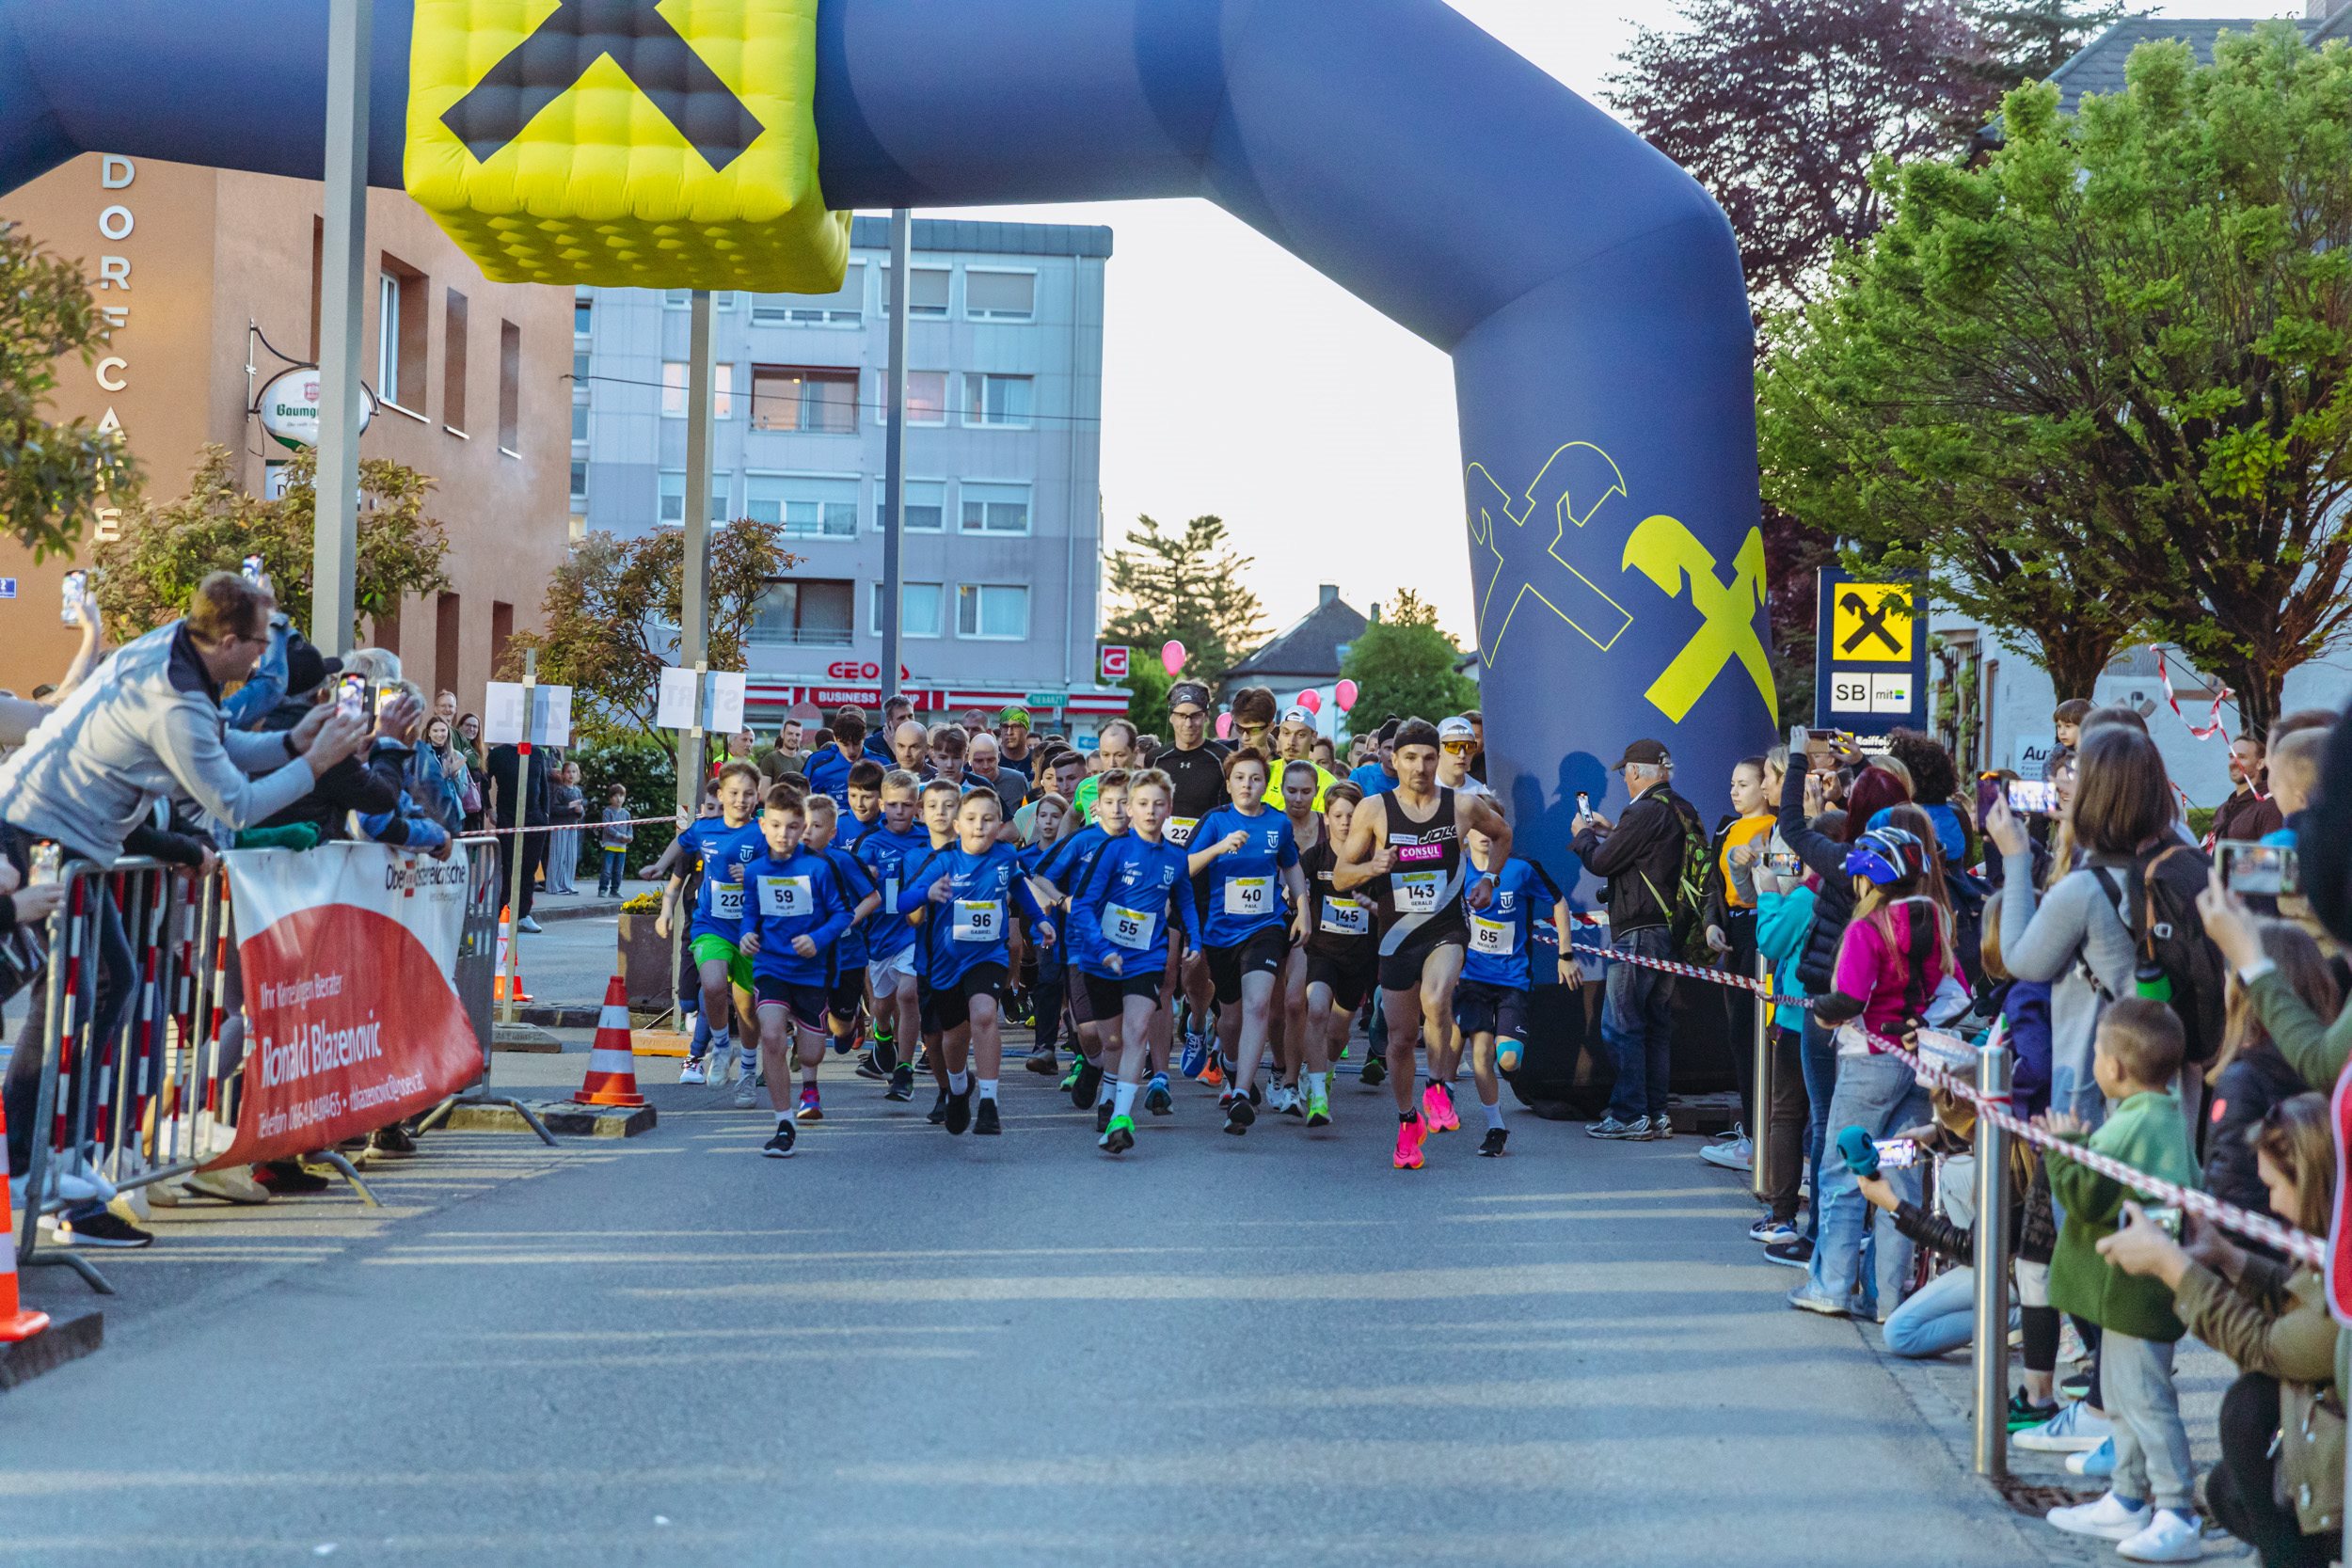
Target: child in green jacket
2149 1509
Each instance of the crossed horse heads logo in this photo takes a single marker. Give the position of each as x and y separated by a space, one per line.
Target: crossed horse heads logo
1520 552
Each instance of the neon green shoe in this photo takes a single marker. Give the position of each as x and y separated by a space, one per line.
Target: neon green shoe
1318 1108
1118 1137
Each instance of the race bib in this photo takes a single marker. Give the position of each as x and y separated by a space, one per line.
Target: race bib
979 920
890 896
786 897
1180 829
1497 939
727 900
1345 918
1128 928
1249 895
1416 892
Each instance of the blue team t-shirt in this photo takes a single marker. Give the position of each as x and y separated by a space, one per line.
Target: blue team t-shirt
1242 891
975 923
1503 933
799 897
1126 901
884 855
720 852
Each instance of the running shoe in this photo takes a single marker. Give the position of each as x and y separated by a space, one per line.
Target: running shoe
868 1067
1771 1232
2024 1413
809 1108
1194 1057
1294 1104
901 1083
1496 1139
1045 1061
2097 1462
780 1146
1661 1127
1089 1084
1156 1099
1375 1069
1213 1075
1239 1114
1806 1298
746 1091
1730 1154
2171 1536
2073 1430
1077 1065
1103 1118
1411 1133
99 1227
1318 1108
1797 1254
959 1111
984 1123
1623 1132
1436 1109
2110 1518
692 1071
844 1044
885 1050
938 1112
1118 1135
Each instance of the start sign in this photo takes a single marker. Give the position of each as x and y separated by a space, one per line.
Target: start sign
624 142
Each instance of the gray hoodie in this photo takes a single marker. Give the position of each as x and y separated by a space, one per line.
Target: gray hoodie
146 726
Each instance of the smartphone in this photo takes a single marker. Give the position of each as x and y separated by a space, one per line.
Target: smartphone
253 568
2262 870
1584 803
1896 1153
1785 862
2033 797
351 696
2166 1219
47 860
76 582
385 696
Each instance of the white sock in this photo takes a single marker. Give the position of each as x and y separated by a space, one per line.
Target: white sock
720 1043
784 1118
1494 1116
1124 1099
987 1088
959 1081
1109 1087
751 1057
1318 1083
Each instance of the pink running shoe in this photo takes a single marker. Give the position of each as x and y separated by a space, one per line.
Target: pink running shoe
1436 1109
1409 1137
810 1109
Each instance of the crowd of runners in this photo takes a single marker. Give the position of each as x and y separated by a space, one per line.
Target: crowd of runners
1213 910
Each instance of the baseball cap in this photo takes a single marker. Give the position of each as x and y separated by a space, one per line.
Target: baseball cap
1457 729
1650 754
1016 716
307 669
1298 716
1187 691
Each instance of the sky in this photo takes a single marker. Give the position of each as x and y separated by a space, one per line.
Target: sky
1238 381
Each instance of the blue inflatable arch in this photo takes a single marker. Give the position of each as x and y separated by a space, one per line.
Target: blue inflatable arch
1588 291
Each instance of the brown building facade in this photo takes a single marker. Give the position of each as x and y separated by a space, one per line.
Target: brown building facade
470 377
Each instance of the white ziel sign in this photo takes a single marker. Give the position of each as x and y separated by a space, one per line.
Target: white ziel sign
289 407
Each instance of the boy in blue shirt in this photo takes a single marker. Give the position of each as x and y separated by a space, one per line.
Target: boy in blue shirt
719 848
846 995
1066 869
865 803
884 851
794 913
966 931
1490 1000
1246 860
940 798
1139 883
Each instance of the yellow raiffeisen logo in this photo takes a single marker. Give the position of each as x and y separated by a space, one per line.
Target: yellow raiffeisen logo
655 143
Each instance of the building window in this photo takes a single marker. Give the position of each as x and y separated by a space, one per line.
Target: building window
509 389
803 507
582 317
804 613
845 307
579 484
674 391
927 397
579 368
673 497
925 503
995 508
580 419
402 318
817 400
1003 296
919 605
926 292
453 361
994 611
1001 402
677 299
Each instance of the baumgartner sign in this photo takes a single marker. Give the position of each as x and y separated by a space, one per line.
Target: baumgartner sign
289 407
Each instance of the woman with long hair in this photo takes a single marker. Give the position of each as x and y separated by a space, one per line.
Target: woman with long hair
2250 1074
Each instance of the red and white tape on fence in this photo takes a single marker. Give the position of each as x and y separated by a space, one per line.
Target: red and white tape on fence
2213 721
1695 972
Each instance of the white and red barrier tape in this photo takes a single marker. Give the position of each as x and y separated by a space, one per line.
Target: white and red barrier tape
2213 724
1719 976
2260 1228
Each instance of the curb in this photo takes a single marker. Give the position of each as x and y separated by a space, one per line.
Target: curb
561 1116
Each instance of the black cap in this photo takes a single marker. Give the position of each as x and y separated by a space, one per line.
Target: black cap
1188 691
307 669
1650 754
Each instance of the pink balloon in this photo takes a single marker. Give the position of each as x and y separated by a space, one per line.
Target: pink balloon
1172 657
1345 693
1311 699
1225 726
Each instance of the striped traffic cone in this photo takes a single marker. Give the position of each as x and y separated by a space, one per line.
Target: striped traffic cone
506 934
612 1065
15 1323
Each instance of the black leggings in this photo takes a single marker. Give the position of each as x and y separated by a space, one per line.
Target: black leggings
2239 1491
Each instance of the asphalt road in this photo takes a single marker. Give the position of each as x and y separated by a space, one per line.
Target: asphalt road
901 1347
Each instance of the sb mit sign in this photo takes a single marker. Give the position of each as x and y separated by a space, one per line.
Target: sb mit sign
646 143
1871 655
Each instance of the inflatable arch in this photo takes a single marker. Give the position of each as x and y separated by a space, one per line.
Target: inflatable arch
1588 291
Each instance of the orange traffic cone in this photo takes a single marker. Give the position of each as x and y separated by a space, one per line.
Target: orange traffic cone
507 930
611 1067
15 1323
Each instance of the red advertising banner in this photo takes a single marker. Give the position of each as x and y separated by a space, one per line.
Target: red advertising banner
348 952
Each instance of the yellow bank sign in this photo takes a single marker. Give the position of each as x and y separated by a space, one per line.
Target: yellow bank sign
653 143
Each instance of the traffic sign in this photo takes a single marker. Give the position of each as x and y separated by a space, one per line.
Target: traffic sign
1043 699
1115 661
7 588
1871 655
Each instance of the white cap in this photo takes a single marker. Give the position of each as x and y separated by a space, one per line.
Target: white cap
1457 729
1298 716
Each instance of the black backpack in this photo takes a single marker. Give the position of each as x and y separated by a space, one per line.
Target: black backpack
2175 962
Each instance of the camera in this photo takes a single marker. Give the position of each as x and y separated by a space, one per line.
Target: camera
2033 797
351 696
2258 870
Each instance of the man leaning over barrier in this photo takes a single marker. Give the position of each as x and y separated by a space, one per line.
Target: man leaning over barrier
148 727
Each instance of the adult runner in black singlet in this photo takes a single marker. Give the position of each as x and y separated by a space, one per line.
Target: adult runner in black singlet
1196 766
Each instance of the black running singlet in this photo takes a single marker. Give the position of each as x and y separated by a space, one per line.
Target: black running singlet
1425 864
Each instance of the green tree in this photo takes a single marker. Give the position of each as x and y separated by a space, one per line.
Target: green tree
2102 385
1403 663
1186 587
53 476
611 616
144 577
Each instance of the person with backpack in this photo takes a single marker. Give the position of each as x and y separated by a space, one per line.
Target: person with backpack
1647 858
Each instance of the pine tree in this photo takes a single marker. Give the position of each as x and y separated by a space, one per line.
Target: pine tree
1187 588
